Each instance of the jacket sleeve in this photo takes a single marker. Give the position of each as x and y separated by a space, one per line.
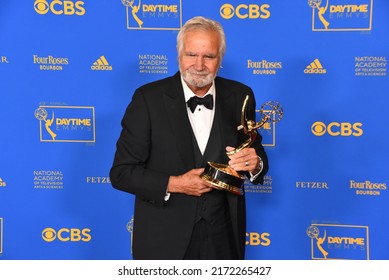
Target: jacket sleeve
257 144
129 171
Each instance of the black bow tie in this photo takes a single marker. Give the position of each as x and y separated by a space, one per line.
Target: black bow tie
207 101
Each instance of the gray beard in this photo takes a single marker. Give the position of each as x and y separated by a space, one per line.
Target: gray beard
200 83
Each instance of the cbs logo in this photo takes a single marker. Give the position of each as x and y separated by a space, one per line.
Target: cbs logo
66 234
256 239
57 7
337 129
243 11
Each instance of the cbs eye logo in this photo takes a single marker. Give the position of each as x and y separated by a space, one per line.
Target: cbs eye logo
41 6
65 235
337 129
58 7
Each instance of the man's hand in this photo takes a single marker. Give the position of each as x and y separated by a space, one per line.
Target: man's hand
189 183
244 160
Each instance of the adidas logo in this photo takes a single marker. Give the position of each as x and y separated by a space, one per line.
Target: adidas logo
101 64
315 68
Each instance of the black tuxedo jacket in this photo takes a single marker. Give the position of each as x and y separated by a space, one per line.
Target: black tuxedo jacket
155 143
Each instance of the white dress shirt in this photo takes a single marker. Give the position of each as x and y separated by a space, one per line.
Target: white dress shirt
202 118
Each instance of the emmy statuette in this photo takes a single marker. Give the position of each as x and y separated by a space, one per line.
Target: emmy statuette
222 176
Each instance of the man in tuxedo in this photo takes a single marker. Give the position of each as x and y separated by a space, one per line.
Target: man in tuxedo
165 143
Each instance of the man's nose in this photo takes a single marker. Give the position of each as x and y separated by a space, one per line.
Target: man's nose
199 63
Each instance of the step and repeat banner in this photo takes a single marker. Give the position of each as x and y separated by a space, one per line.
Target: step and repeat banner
68 69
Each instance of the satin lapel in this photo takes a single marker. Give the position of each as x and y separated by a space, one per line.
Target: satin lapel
179 122
221 128
225 103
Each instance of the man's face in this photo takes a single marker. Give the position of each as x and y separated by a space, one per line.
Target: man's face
199 59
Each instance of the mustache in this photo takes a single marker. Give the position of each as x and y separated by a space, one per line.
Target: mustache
194 72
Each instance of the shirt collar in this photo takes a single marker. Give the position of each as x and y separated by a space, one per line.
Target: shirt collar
189 93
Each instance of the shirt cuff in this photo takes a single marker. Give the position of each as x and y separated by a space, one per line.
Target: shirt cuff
255 175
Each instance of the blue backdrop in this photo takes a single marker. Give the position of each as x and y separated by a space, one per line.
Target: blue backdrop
69 68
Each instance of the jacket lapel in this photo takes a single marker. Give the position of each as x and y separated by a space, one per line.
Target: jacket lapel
224 103
179 122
